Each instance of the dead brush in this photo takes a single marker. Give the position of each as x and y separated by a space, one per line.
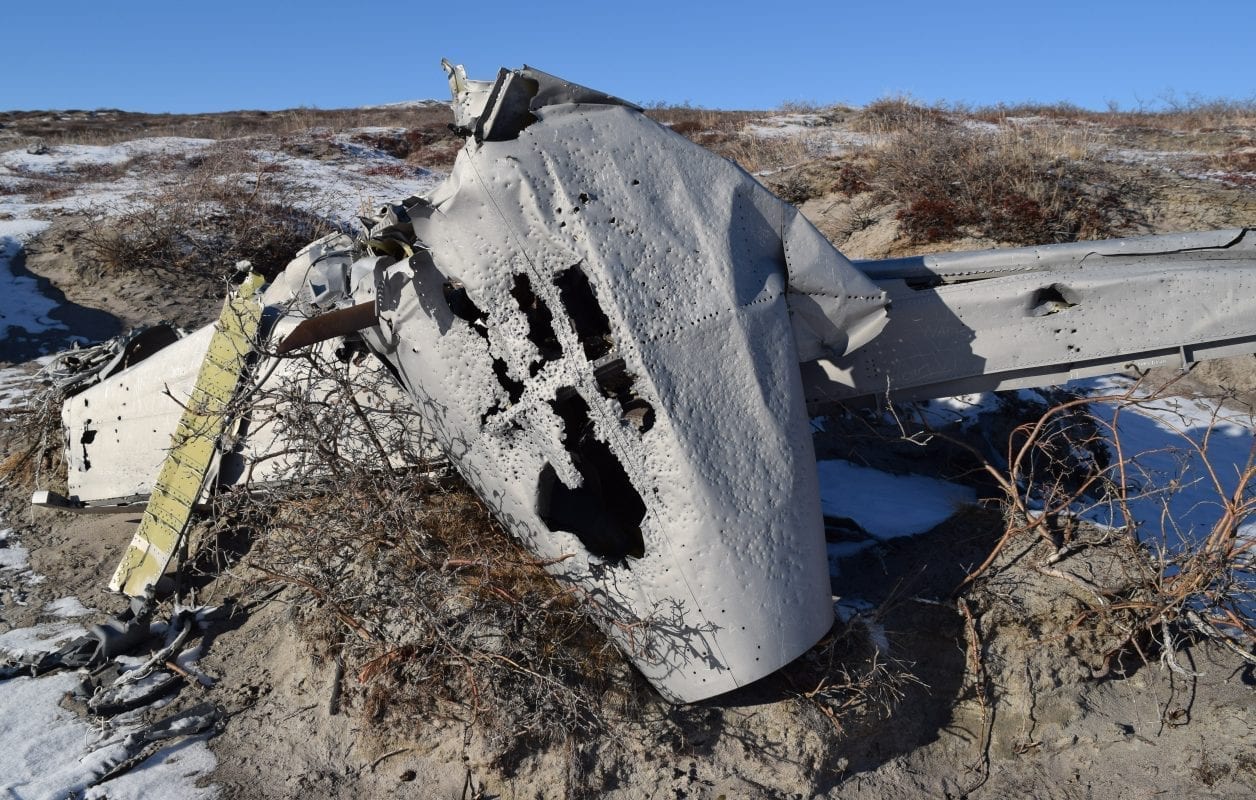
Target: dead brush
110 126
889 115
436 613
399 573
1015 185
38 458
431 146
226 207
1159 585
848 678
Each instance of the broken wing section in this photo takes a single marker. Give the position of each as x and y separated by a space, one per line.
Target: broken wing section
118 432
1018 318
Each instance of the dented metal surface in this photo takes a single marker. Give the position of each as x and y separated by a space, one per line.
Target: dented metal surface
615 335
1034 316
602 325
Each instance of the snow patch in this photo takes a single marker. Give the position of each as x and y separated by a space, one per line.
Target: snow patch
68 607
1170 443
49 752
68 157
22 305
12 555
43 638
885 505
172 772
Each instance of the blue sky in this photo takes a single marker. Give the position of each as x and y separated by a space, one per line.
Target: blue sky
179 56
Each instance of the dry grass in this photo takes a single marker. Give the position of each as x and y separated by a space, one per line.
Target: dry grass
225 206
1191 114
1014 185
690 120
110 126
766 155
723 133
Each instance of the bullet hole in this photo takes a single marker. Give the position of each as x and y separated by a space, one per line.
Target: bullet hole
87 438
1051 300
614 380
463 307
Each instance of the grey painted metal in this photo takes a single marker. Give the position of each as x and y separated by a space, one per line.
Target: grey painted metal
702 539
980 264
1005 319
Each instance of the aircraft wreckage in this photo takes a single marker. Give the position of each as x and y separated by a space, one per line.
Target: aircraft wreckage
617 338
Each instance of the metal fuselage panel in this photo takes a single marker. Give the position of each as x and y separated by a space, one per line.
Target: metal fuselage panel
685 257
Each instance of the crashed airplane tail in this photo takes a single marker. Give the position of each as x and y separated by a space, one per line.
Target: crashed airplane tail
602 325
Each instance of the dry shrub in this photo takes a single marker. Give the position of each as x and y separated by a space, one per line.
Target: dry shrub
435 611
849 679
689 120
109 126
1013 185
1063 113
226 206
392 170
1233 161
38 439
764 154
1145 587
723 133
820 177
897 113
1171 113
402 575
432 145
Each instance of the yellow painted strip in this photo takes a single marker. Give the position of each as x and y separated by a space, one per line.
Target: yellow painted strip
194 444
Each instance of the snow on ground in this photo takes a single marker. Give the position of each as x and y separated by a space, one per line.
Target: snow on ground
964 409
42 638
19 383
819 138
338 188
411 104
48 752
342 189
886 505
67 607
1175 499
70 157
1171 443
22 305
12 555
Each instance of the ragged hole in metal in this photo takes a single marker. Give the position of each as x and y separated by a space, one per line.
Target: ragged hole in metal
606 510
592 326
540 322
